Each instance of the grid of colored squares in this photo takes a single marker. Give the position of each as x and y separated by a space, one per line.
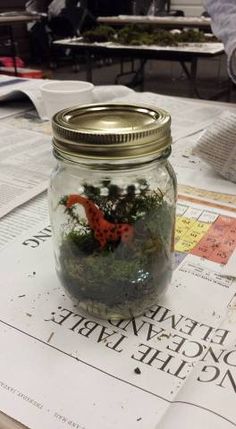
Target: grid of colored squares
205 234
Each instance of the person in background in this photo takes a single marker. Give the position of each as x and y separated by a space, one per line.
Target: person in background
77 13
38 31
109 7
55 7
223 16
40 6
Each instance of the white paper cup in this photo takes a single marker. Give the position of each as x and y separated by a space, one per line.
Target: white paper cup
58 95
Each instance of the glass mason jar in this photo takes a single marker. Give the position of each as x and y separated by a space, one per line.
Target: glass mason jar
112 200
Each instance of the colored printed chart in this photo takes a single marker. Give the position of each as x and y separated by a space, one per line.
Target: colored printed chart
207 195
205 234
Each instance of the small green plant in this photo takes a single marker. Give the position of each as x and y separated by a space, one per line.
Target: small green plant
118 273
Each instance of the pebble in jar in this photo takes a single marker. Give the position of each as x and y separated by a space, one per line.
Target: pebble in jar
112 200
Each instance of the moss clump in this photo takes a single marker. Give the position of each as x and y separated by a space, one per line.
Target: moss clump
143 34
102 33
119 275
191 36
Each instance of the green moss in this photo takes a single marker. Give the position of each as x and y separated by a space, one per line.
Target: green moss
102 33
191 36
143 34
118 273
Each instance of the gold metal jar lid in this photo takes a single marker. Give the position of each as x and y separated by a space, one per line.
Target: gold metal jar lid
111 131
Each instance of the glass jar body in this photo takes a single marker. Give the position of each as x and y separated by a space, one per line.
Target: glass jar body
113 233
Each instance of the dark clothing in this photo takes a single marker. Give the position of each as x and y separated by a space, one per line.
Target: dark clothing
39 43
38 34
109 7
80 17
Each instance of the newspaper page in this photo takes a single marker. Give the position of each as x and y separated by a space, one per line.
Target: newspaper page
12 88
14 108
230 268
217 146
23 219
73 370
189 121
193 171
188 117
207 399
25 163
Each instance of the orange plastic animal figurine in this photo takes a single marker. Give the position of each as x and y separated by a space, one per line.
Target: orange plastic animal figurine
104 230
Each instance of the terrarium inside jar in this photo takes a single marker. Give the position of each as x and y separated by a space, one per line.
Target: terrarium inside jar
112 217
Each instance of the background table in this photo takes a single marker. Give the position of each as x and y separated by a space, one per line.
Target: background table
9 20
184 54
159 21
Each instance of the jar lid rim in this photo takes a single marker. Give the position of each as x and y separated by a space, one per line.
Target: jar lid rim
111 130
